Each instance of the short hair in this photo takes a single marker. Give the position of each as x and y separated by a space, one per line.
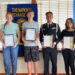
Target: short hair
49 13
30 11
71 22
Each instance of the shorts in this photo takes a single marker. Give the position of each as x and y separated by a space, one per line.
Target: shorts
31 53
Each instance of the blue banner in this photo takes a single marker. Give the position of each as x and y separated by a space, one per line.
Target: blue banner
20 11
74 10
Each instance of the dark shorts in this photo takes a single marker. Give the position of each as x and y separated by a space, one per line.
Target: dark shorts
31 53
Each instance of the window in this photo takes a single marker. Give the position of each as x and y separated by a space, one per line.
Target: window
62 9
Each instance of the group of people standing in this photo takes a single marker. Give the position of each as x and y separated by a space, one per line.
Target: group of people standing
31 52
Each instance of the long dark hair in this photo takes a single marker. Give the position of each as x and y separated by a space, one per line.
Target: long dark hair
71 22
6 15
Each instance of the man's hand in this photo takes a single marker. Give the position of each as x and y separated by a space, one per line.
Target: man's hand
36 41
53 45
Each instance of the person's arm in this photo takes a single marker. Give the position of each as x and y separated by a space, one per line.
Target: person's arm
23 33
1 36
23 38
37 33
37 37
41 35
58 35
18 38
18 33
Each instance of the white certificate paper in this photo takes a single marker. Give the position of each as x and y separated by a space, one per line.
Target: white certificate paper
48 41
9 40
68 42
30 34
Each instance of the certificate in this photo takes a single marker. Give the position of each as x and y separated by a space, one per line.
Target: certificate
30 34
9 40
48 41
68 42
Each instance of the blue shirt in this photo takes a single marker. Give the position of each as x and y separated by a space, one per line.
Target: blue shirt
10 29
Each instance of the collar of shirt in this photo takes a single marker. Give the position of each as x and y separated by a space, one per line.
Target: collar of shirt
49 24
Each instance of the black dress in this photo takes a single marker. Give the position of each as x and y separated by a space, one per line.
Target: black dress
68 54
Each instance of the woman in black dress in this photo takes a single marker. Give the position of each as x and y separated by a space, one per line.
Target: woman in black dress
68 54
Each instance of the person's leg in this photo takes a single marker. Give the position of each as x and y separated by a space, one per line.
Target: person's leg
29 68
66 61
53 57
36 68
27 56
14 55
46 61
6 56
71 60
35 58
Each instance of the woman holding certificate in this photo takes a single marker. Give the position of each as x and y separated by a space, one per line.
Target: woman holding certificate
68 38
30 38
11 37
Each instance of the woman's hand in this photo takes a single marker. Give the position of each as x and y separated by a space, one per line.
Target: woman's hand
4 45
15 45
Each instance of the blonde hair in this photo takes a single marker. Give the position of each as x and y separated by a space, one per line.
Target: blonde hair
6 15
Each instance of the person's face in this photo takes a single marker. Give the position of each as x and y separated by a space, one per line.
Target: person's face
69 24
9 17
49 17
30 15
